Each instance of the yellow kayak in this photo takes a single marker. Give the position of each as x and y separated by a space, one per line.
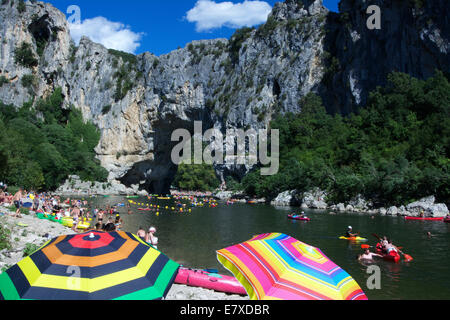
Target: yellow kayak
353 239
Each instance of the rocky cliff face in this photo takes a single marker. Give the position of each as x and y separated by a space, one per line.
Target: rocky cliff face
414 39
138 101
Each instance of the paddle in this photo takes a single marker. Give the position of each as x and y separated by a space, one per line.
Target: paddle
407 257
366 246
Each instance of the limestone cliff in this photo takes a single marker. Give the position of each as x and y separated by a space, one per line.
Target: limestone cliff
137 101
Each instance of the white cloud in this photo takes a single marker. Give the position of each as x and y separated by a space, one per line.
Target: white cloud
208 15
113 35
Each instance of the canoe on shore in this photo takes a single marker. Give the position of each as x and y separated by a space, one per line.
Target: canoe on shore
208 280
424 219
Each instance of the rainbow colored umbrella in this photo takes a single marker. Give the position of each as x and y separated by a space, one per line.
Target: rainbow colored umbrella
276 266
91 266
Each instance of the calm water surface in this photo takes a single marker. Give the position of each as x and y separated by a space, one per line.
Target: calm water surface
192 239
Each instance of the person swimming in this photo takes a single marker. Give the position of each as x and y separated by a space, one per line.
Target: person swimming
368 256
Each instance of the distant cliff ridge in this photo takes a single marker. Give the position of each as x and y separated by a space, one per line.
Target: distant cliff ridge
138 101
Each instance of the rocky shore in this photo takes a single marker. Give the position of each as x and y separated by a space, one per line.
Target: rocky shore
317 200
37 232
74 186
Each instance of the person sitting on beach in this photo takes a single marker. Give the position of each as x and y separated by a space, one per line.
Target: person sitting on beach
368 256
17 198
99 227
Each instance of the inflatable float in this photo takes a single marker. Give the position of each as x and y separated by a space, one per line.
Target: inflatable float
353 238
209 280
424 219
292 217
68 222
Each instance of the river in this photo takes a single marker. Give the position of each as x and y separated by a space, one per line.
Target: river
192 239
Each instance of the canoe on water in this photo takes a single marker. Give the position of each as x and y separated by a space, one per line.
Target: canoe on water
393 257
292 217
209 280
424 219
353 239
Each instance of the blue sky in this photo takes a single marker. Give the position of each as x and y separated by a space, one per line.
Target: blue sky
160 26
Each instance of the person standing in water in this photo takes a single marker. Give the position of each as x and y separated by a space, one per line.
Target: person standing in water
151 239
141 234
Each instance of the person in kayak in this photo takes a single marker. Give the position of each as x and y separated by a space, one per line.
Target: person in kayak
368 256
391 248
350 234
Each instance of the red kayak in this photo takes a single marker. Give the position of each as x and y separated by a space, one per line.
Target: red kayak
144 209
392 257
424 219
291 216
211 281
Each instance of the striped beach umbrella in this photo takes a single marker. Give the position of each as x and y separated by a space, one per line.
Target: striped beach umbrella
91 266
276 266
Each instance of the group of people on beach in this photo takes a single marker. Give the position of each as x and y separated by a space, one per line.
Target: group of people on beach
99 219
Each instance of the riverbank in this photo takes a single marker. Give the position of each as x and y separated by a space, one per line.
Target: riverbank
32 233
317 200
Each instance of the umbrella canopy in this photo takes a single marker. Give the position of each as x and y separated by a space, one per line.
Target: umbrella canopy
91 266
276 266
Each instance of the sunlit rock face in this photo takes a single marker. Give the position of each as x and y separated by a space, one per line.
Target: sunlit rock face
239 83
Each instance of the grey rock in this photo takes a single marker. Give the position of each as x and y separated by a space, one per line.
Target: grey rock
315 199
287 198
392 211
422 205
223 195
438 210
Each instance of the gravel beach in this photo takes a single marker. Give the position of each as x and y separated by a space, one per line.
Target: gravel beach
37 232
